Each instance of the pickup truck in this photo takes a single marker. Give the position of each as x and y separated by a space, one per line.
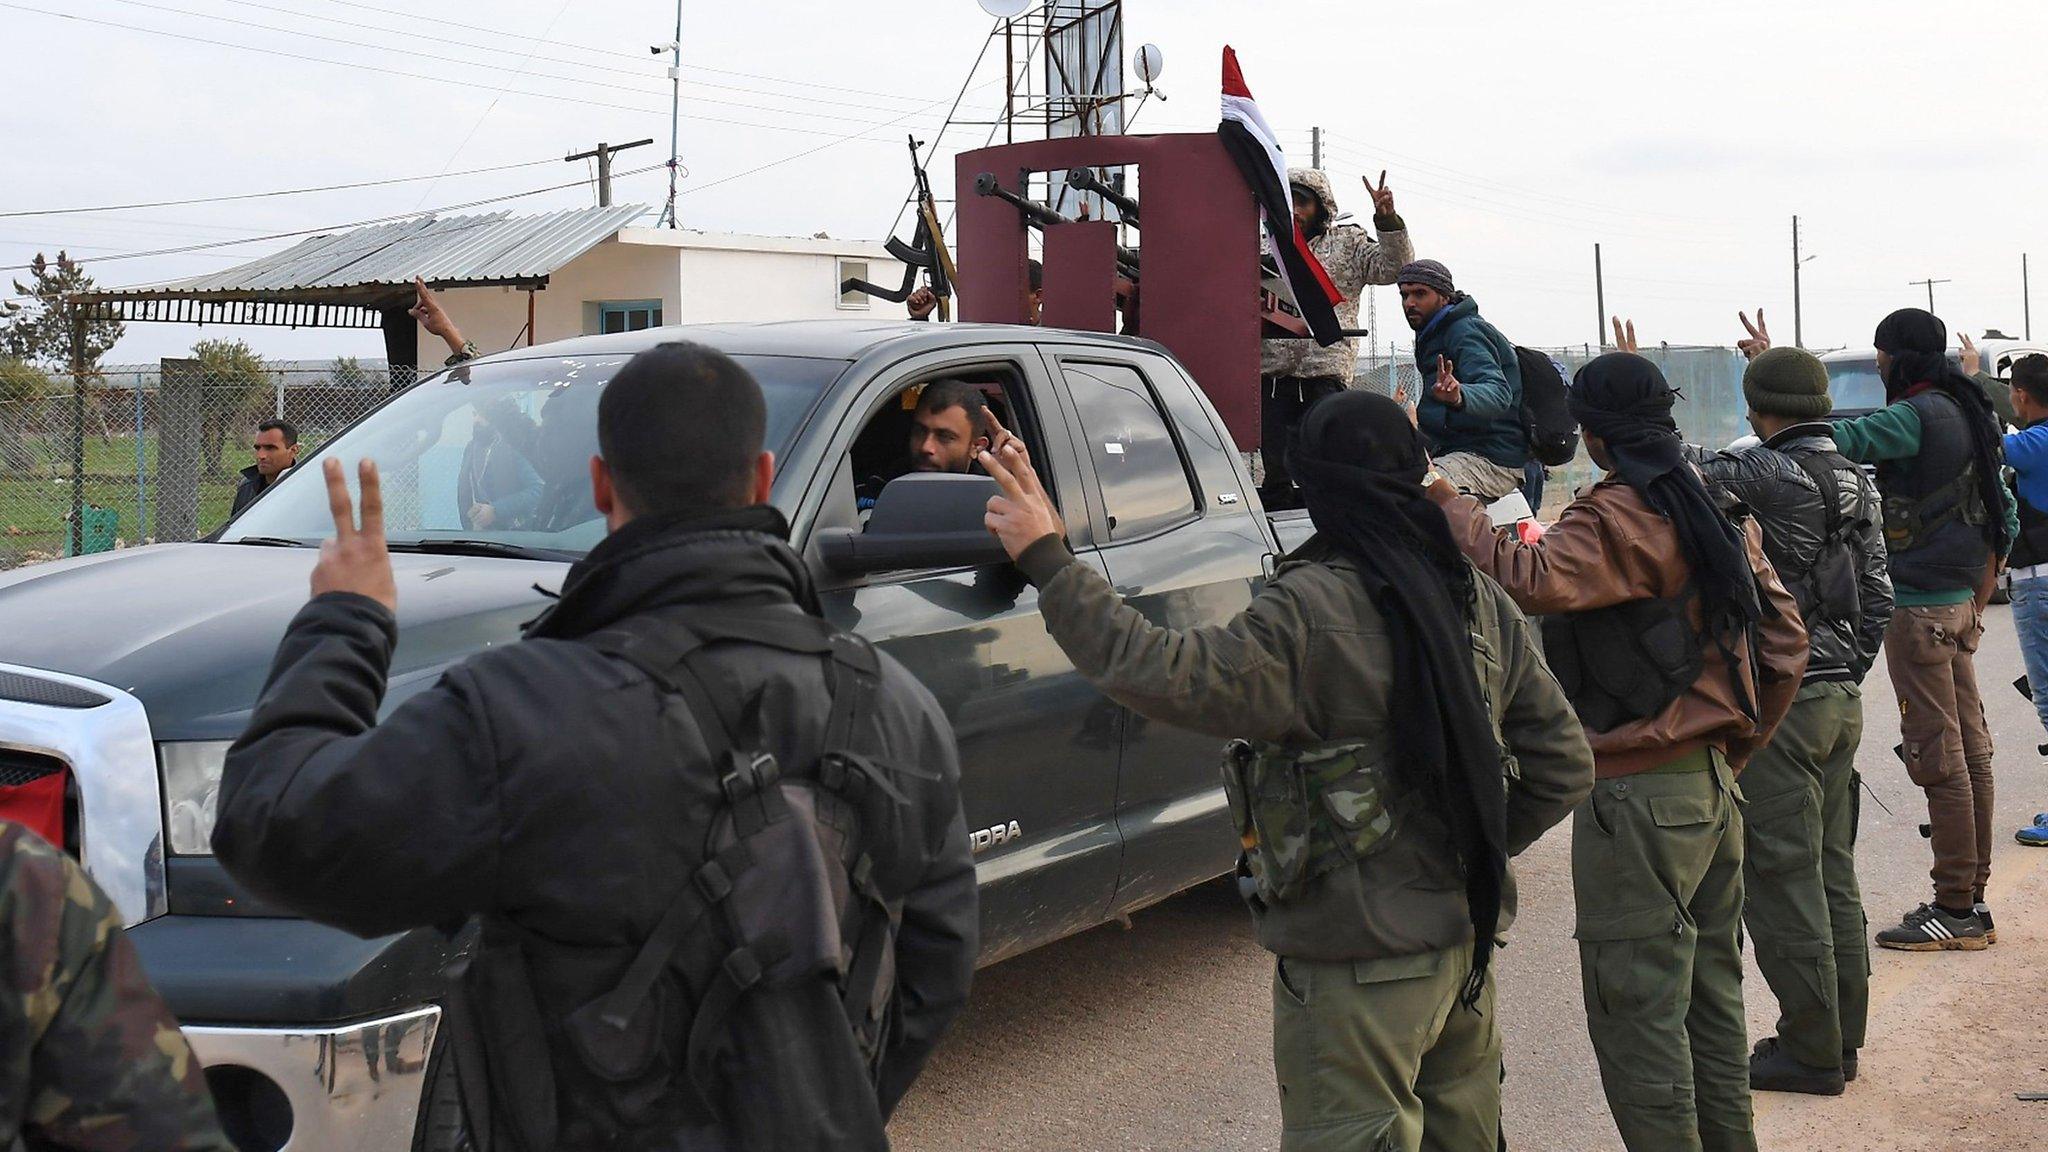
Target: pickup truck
129 672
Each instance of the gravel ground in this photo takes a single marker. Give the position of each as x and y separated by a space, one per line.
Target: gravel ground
1157 1036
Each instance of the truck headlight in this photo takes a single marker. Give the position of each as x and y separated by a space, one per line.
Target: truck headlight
191 774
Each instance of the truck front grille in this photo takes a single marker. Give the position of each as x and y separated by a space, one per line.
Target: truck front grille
18 768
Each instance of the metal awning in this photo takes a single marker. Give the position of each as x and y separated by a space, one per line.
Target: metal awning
350 279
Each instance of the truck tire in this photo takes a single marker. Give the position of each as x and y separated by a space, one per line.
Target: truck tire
442 1126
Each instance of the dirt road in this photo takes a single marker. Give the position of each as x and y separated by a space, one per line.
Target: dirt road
1157 1037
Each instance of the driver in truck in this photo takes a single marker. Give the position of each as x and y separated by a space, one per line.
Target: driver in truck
948 428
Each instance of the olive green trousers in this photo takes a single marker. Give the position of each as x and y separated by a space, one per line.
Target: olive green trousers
1378 1056
1801 902
1657 873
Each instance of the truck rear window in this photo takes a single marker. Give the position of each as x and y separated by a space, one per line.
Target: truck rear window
497 453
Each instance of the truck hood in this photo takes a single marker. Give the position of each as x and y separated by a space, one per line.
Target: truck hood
190 629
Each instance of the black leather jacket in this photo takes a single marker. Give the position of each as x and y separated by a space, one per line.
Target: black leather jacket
1788 506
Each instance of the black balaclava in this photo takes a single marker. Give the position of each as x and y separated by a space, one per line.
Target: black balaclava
1917 342
1360 463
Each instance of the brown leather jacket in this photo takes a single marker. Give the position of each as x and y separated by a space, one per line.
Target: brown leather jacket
1611 547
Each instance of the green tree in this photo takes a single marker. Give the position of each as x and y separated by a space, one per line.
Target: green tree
39 331
235 378
348 372
21 385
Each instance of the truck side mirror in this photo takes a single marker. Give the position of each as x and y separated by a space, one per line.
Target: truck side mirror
923 520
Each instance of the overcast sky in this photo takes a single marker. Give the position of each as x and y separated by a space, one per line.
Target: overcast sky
1683 137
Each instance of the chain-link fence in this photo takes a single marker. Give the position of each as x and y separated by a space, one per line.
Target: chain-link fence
1710 409
152 453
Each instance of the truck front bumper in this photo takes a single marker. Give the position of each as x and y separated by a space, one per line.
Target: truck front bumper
354 1086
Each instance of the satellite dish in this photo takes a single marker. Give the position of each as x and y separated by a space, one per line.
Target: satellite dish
1005 9
1148 62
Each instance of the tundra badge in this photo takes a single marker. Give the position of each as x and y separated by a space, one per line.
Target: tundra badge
983 839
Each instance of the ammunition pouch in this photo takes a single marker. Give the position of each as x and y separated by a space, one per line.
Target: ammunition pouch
1627 662
1303 813
1910 520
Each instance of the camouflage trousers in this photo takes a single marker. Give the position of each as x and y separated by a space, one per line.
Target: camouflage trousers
1378 1056
1657 875
1801 902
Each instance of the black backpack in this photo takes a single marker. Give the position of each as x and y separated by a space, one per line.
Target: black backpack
1547 424
1828 589
720 1022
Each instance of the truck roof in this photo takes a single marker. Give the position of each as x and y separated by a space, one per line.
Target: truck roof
823 339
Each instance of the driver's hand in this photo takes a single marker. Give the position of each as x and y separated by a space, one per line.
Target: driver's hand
482 516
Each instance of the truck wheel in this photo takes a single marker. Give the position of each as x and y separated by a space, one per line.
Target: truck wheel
442 1126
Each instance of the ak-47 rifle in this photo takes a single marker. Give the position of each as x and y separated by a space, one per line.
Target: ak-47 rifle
926 251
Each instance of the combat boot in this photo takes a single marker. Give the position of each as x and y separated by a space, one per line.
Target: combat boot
1772 1069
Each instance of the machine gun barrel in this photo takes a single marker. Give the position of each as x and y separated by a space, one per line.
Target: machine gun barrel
1037 215
1087 181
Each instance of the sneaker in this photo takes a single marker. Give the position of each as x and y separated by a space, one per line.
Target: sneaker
1849 1063
2041 819
1772 1069
1930 928
2034 835
1983 912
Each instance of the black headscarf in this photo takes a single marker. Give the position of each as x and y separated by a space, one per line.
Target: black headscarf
1360 463
1917 342
1624 400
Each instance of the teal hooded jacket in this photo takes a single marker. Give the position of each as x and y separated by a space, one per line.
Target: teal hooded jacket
1489 423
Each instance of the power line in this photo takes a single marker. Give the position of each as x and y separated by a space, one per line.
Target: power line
414 19
497 95
497 90
337 227
642 110
266 195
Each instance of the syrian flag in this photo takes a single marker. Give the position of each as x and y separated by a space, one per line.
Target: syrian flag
1252 145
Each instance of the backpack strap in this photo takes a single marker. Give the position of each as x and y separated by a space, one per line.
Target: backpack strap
1822 473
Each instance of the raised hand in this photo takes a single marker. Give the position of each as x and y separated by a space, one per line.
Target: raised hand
1759 336
1447 389
1625 337
355 560
1023 514
921 303
1972 360
1382 196
1000 437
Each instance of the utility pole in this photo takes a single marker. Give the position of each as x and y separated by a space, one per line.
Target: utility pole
1315 148
1599 297
2026 301
1798 340
603 153
1930 290
675 113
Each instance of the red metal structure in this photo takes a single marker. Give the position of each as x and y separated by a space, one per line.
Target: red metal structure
1201 256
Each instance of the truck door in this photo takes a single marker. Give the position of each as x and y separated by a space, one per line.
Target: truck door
1038 744
1180 541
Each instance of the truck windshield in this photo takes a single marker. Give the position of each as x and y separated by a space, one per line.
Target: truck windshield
1855 384
495 458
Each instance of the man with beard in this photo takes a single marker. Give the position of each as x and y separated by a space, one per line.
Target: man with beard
1377 689
1949 521
1295 372
1470 411
1681 651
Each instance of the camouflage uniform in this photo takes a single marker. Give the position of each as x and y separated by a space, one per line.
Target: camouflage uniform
1354 260
90 1058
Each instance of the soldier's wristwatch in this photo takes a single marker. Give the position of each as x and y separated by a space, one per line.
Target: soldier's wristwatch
469 352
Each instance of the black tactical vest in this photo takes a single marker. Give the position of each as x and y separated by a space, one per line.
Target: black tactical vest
1934 516
2032 546
1626 662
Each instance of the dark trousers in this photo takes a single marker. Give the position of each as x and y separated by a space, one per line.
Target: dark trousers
1284 400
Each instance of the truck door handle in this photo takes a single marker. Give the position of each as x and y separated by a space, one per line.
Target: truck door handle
1269 564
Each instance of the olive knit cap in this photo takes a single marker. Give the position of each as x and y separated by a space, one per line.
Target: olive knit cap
1787 382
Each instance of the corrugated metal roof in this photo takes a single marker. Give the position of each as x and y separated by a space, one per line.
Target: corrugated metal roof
498 248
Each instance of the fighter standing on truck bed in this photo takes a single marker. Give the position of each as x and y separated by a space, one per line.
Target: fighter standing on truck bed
777 918
1295 372
1398 738
1680 651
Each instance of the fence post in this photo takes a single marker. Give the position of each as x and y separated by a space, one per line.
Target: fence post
180 387
77 429
278 413
141 469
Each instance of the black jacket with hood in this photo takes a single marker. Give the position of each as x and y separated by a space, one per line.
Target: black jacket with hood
1787 504
539 782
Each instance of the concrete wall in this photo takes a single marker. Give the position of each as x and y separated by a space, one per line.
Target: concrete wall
698 278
